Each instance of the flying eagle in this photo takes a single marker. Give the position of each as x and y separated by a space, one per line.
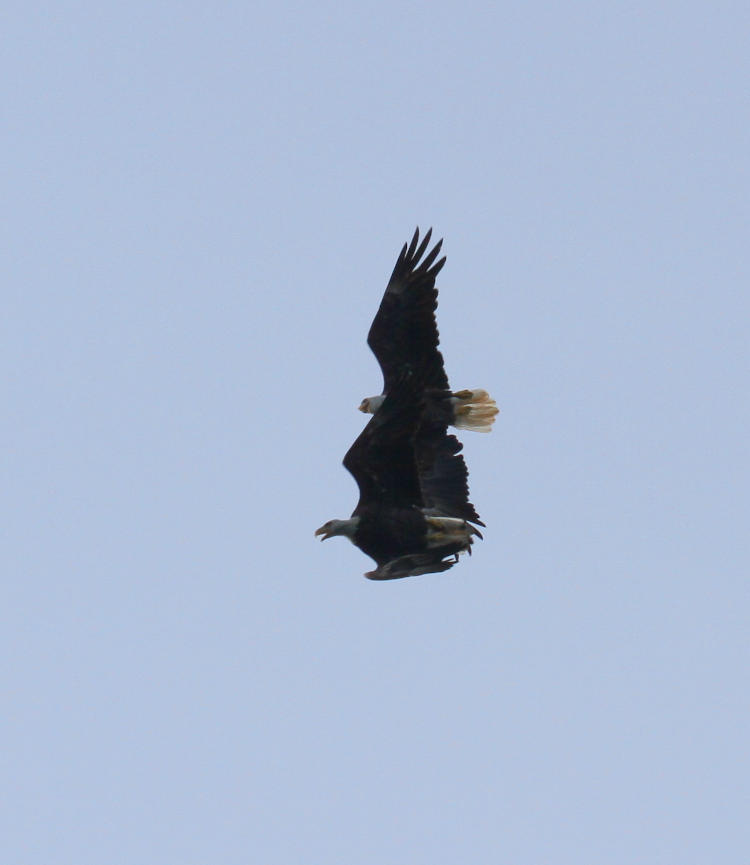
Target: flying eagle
404 333
397 522
414 515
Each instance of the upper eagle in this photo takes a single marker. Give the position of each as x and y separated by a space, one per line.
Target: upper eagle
414 509
404 333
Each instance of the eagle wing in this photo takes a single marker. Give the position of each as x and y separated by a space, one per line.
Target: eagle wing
443 476
382 459
404 332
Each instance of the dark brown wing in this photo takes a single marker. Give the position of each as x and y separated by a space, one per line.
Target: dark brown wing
444 479
404 332
411 565
443 475
382 459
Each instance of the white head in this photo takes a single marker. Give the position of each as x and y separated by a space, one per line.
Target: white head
338 527
370 404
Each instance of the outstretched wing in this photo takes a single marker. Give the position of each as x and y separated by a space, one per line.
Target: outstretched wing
404 332
411 565
443 476
382 459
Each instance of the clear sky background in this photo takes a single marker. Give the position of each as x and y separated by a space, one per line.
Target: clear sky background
201 205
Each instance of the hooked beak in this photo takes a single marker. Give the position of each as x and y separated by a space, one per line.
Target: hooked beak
323 531
363 406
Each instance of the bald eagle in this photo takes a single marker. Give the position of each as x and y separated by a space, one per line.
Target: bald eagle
414 515
404 333
398 521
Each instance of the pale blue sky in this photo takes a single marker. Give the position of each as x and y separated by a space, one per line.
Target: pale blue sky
201 206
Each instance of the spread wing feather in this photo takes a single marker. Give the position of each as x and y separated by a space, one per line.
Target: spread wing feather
443 475
404 332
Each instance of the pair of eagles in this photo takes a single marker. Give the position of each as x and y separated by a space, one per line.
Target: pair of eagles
414 515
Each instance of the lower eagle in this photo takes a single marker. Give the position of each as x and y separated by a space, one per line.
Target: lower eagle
414 515
406 518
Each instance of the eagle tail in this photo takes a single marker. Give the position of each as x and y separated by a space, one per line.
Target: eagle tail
474 410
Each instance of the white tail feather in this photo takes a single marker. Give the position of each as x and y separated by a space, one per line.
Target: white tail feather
445 531
474 410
